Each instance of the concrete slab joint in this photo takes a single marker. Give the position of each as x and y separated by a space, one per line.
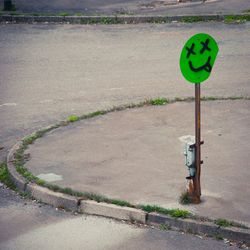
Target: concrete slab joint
53 198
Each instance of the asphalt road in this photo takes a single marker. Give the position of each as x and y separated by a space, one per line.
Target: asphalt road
142 7
28 225
48 72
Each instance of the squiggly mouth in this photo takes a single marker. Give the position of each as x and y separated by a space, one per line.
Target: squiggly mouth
207 67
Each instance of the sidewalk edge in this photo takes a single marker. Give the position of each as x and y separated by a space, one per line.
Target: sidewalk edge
73 203
112 19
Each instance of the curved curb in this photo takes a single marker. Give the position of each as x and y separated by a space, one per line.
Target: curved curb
110 19
72 203
16 178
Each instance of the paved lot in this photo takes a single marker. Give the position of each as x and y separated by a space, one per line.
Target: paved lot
144 7
137 155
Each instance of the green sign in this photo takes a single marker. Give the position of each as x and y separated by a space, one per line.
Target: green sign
197 57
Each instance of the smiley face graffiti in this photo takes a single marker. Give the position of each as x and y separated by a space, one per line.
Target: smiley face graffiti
197 57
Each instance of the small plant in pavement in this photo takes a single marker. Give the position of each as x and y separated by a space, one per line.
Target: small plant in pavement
226 223
5 177
63 14
73 118
184 198
159 101
236 18
176 213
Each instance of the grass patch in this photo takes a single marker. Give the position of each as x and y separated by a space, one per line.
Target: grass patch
236 19
219 98
73 118
184 198
223 223
79 14
101 20
121 203
227 223
93 114
25 195
40 182
30 139
63 14
25 173
108 20
176 213
5 176
209 98
101 198
192 19
159 101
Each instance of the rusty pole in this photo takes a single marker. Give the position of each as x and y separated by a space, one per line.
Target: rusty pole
197 186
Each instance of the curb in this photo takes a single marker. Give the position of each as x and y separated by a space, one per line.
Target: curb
16 178
200 228
113 211
55 199
72 203
107 19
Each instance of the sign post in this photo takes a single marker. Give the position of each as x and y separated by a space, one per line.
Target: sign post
196 62
197 185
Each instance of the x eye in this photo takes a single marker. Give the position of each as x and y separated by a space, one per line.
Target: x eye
190 51
205 46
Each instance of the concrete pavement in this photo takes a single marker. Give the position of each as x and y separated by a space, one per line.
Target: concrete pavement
137 155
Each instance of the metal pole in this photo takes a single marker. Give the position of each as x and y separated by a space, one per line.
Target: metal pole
197 186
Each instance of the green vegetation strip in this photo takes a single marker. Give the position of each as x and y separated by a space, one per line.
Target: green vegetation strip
176 213
84 18
227 223
5 177
20 159
237 19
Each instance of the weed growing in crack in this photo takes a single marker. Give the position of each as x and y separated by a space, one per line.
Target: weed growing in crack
5 176
176 213
184 198
159 101
164 227
73 118
227 223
